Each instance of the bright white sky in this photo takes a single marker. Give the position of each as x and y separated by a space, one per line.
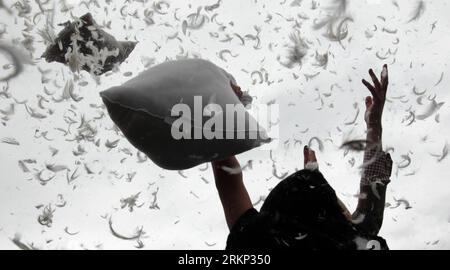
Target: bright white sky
190 215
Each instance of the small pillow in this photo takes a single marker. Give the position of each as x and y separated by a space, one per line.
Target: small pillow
82 44
143 108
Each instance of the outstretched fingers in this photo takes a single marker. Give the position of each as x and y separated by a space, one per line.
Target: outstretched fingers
385 77
379 87
371 88
375 80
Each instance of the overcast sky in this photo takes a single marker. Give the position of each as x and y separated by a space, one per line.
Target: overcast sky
412 37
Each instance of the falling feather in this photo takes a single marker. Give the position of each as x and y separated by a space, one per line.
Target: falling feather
432 108
18 59
418 12
11 141
443 155
138 234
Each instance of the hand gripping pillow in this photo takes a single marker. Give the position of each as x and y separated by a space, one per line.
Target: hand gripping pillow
142 109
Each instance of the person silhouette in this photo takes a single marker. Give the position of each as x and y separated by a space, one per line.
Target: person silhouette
303 211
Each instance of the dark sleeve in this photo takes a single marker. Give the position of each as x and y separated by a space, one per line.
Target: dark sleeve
243 235
377 170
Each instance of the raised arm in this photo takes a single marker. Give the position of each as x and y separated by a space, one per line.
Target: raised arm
232 192
377 165
230 186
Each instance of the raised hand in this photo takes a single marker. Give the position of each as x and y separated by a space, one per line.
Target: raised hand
375 103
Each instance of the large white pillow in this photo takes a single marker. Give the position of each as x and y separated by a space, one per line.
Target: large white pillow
142 109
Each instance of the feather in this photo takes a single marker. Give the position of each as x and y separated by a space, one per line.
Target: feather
11 141
433 107
418 12
17 58
298 49
319 142
138 234
23 166
405 162
440 79
400 202
111 144
66 229
355 145
16 240
229 170
56 168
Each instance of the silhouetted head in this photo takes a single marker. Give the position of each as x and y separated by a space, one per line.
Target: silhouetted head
305 204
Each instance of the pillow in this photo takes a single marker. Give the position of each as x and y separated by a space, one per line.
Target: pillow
82 44
143 109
